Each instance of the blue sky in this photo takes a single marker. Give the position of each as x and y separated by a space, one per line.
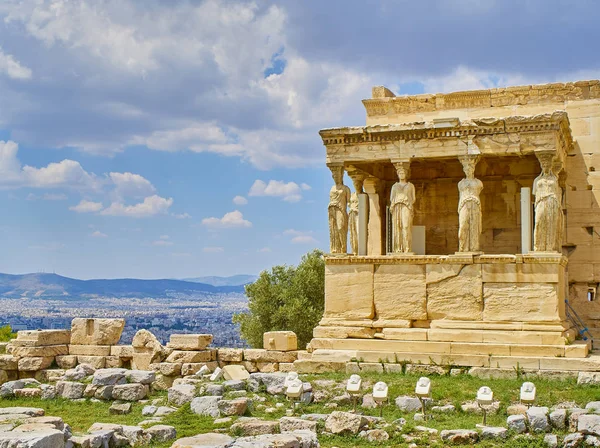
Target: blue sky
175 139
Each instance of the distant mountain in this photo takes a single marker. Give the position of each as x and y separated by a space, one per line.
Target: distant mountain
56 286
234 280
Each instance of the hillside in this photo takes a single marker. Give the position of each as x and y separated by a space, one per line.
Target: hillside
234 280
56 286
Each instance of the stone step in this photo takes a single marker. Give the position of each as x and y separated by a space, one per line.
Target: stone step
323 358
579 349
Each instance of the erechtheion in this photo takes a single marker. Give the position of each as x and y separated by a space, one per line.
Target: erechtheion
472 229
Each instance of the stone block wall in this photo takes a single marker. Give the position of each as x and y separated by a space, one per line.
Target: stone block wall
44 353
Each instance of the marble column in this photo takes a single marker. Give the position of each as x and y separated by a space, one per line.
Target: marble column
355 223
548 229
375 240
469 206
339 198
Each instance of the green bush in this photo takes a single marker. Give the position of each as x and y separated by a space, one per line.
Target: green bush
285 298
6 334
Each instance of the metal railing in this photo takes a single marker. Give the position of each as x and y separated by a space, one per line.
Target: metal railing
578 323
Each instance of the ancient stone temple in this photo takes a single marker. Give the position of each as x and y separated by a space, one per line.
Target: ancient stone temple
472 225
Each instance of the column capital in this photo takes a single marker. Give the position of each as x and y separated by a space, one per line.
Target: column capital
372 185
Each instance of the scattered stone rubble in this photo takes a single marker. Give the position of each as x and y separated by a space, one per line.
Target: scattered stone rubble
228 385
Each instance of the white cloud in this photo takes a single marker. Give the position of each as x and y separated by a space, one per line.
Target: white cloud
240 200
213 250
13 68
299 237
289 192
229 220
151 206
64 174
131 185
182 215
87 207
98 234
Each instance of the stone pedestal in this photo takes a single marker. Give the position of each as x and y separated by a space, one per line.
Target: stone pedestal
462 309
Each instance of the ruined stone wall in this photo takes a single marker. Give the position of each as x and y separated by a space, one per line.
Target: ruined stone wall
581 100
46 354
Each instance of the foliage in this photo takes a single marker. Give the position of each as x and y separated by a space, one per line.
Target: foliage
285 298
6 334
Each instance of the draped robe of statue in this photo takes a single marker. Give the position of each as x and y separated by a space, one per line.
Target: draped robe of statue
547 234
339 196
353 223
402 200
469 214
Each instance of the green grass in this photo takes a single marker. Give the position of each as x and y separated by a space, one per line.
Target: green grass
445 390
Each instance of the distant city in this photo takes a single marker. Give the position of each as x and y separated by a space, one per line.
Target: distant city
173 312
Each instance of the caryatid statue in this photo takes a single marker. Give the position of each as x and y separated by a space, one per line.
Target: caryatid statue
339 197
469 207
547 234
358 180
401 206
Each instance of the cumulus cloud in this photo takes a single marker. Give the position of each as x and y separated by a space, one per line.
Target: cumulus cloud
234 219
299 237
13 68
289 192
87 207
98 234
240 200
151 206
131 185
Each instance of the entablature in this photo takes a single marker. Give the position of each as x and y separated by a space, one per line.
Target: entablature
449 138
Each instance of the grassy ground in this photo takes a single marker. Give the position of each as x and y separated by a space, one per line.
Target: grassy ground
445 390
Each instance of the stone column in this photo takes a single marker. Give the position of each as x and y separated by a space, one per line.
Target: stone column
375 240
548 230
339 198
469 206
402 199
356 218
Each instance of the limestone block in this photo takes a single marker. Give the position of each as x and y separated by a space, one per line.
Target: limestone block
66 362
343 332
189 341
267 367
45 337
43 438
122 351
405 334
235 372
349 291
185 356
282 341
147 350
89 350
522 301
96 331
399 292
167 368
113 362
8 362
35 363
258 355
191 368
28 352
521 273
97 362
454 291
230 354
309 366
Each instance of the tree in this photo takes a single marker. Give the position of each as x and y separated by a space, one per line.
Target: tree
6 333
286 298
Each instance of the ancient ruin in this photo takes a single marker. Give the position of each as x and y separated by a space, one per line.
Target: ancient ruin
473 230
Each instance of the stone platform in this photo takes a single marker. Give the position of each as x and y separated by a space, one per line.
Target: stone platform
504 311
